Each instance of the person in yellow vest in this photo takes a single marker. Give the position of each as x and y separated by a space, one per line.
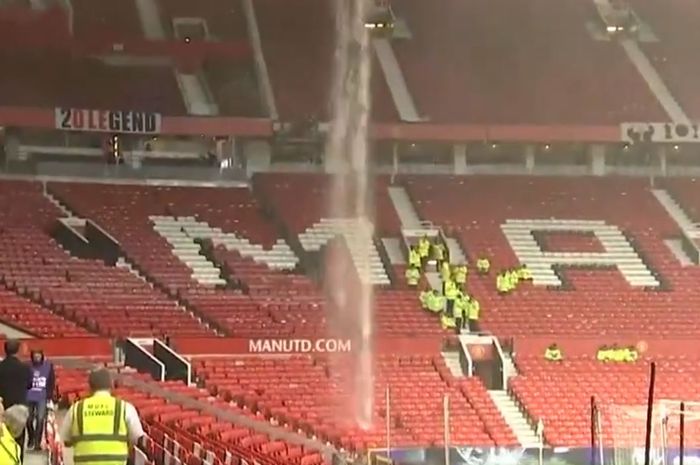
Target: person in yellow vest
603 354
436 303
14 420
412 276
424 249
460 311
414 258
451 294
473 313
460 275
438 252
512 279
553 354
447 321
524 273
630 354
101 428
445 271
619 354
483 266
424 299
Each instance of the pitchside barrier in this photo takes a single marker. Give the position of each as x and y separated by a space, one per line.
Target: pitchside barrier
176 367
136 356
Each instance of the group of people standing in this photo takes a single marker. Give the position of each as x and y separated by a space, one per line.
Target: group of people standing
457 309
101 428
26 390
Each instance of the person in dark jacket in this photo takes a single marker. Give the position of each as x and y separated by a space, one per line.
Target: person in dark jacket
15 381
43 382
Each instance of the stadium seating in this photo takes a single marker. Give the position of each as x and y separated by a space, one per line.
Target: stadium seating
312 394
675 23
32 318
107 300
298 42
506 62
52 80
583 310
685 192
124 212
285 193
105 20
559 393
188 436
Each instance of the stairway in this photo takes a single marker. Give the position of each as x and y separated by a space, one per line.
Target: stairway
187 250
9 332
434 280
451 359
50 197
457 256
361 249
509 368
403 101
404 207
197 98
261 71
515 419
654 81
393 250
150 18
674 210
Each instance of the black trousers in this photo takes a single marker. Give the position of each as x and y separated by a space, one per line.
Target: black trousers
36 423
459 324
449 307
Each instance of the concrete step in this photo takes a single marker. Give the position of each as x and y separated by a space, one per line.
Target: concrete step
404 207
452 361
514 417
457 256
394 251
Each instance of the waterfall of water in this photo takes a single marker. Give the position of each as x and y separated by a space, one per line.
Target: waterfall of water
346 153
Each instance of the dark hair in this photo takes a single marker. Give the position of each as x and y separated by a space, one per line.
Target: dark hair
11 347
100 380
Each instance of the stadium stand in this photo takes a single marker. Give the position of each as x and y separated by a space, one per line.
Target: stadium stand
107 300
53 79
569 386
675 24
298 43
305 391
104 20
186 435
527 75
621 309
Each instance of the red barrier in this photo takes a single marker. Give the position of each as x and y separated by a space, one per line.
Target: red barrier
572 346
262 346
68 347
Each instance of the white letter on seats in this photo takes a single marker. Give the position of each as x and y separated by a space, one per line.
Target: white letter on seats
618 251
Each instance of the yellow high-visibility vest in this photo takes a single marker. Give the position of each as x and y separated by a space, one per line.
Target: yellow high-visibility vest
99 431
9 449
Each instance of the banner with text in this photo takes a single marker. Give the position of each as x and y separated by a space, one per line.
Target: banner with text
673 133
263 346
129 122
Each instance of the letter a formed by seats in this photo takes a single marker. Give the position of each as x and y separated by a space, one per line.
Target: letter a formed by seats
618 251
